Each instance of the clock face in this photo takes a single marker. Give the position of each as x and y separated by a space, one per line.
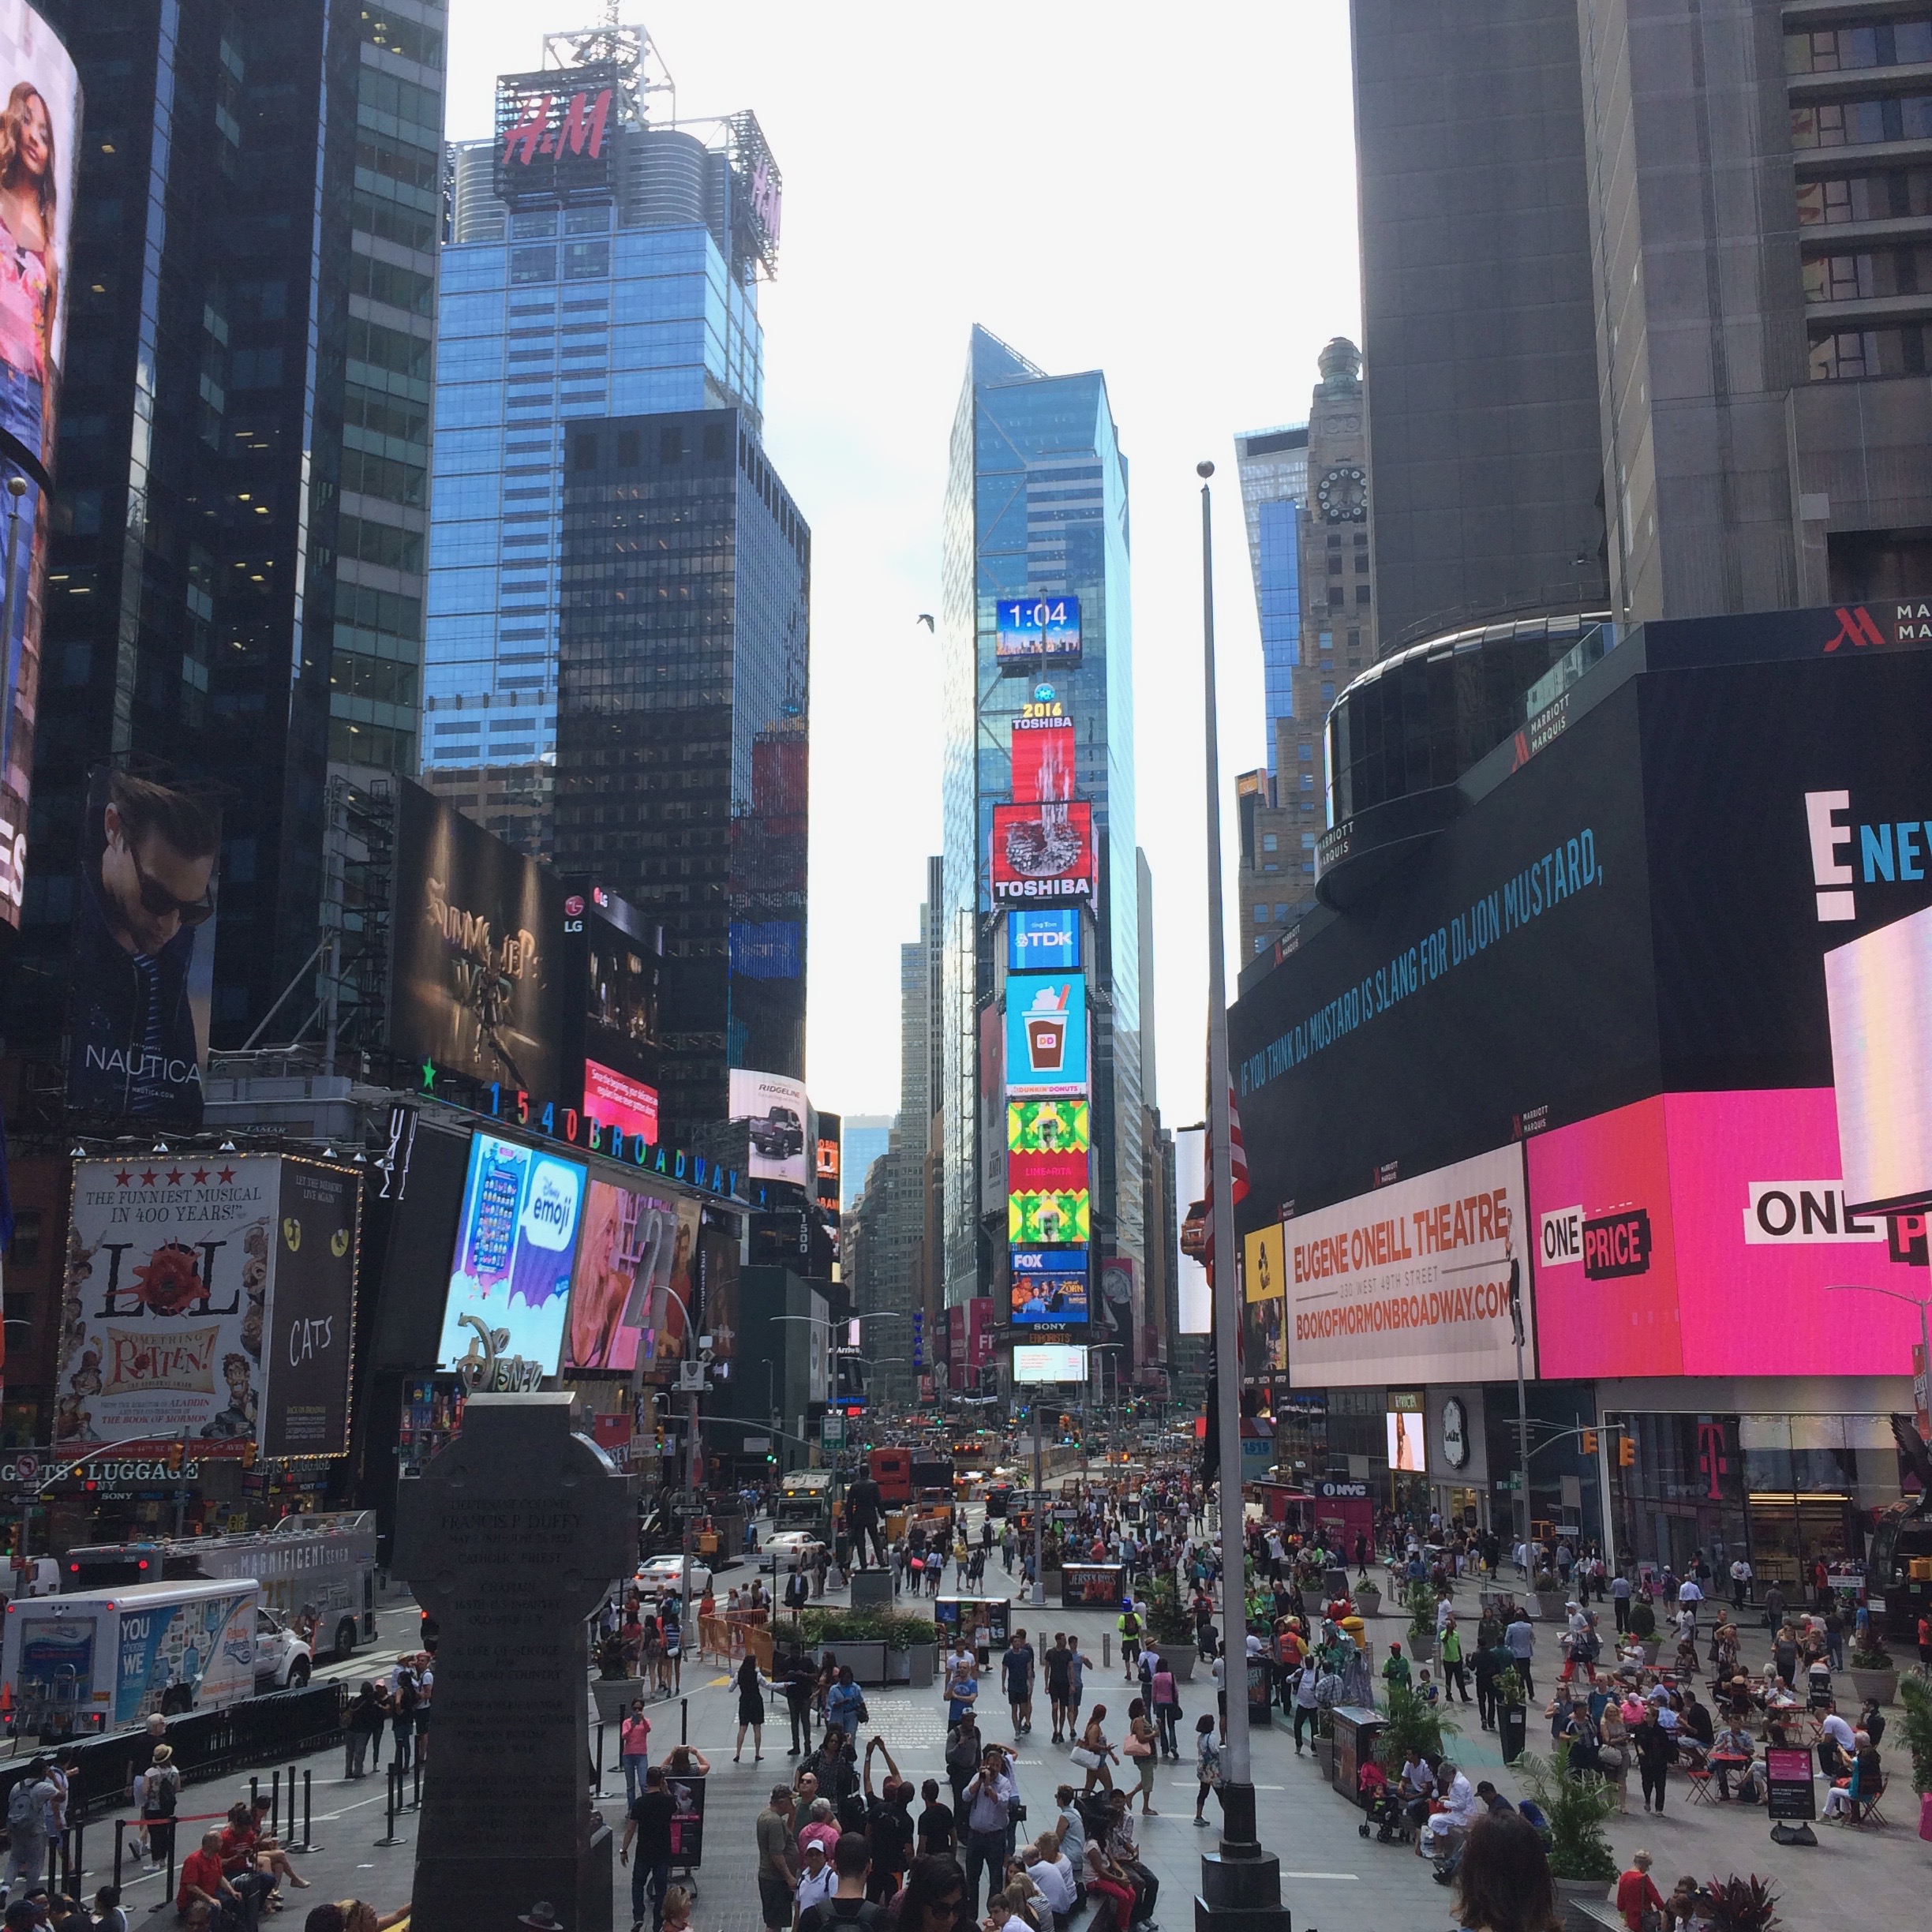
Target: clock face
1342 496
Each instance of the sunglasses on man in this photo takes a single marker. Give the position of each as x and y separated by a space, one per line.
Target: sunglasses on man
158 902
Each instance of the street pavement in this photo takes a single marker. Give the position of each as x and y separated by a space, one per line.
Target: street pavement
1332 1878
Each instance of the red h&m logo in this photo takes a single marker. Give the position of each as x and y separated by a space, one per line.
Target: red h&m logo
1712 1461
581 130
1855 627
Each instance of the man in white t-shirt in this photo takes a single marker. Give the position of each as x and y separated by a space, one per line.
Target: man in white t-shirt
818 1880
1740 1581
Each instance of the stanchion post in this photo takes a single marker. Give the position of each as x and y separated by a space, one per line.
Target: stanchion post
275 1804
596 1784
121 1825
683 1720
171 1892
416 1782
254 1790
290 1831
309 1843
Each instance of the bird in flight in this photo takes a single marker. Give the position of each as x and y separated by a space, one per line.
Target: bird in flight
925 617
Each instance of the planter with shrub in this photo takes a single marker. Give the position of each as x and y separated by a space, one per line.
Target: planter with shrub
1170 1630
1577 1804
1873 1673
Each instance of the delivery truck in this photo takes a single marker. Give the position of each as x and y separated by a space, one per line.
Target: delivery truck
101 1659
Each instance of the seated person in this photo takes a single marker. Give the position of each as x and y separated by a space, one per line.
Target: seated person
1731 1756
1417 1787
1864 1783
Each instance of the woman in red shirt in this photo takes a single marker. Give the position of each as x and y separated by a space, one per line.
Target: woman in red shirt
1638 1898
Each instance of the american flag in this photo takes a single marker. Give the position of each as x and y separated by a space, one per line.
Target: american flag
1237 1154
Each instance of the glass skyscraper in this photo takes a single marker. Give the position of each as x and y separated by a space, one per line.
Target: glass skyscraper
235 572
1274 484
633 293
1036 503
682 752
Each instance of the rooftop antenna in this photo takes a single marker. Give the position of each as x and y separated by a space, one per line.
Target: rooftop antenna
630 49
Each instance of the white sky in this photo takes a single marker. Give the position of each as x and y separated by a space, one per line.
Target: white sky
1165 194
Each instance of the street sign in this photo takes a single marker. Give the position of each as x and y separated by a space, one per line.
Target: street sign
691 1378
832 1430
26 1468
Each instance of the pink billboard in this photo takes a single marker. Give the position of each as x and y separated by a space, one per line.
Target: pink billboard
1696 1233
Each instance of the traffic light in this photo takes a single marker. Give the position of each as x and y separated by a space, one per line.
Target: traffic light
1627 1453
176 1452
247 1455
1589 1442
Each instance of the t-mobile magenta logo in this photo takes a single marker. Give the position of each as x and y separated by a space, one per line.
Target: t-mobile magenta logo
1712 1461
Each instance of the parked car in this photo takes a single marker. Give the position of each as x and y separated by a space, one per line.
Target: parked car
667 1573
790 1549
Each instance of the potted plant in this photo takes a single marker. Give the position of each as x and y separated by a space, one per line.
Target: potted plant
613 1688
1410 1725
1643 1627
1512 1714
1915 1727
1170 1630
1873 1673
1368 1600
1742 1904
1421 1601
1576 1803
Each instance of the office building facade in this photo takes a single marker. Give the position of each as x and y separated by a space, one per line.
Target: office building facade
235 575
682 746
1642 307
1273 466
621 284
1036 507
1283 808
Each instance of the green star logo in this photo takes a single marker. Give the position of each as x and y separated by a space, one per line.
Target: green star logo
428 1076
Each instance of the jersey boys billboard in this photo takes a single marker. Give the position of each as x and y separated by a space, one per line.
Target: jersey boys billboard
1410 1283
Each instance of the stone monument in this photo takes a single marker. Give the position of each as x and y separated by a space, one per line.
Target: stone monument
510 1539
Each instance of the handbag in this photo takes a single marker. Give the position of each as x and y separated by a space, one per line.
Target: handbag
1087 1760
1137 1747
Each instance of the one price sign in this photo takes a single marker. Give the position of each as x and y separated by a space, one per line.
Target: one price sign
1788 1773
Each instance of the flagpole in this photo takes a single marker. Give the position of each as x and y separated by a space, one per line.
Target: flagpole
1240 1879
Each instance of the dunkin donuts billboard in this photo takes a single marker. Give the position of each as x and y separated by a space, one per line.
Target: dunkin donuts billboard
1045 1034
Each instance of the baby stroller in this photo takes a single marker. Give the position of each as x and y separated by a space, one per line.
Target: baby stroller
1384 1813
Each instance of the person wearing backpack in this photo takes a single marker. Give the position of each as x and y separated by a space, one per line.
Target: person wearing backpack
1128 1625
403 1710
28 1804
847 1906
157 1793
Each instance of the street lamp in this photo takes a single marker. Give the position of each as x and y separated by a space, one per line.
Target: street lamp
1240 1882
690 1466
1923 1304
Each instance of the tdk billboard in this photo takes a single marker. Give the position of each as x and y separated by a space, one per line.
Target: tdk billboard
1043 941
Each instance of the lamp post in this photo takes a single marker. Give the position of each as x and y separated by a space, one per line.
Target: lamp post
1923 1305
691 1465
1240 1883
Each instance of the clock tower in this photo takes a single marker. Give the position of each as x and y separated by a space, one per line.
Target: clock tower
1283 813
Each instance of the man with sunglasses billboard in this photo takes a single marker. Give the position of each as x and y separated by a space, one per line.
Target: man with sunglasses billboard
142 968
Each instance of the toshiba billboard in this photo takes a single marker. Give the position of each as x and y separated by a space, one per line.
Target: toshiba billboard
1410 1283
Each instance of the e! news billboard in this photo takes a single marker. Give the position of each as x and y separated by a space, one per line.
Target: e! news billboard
1699 1235
1410 1282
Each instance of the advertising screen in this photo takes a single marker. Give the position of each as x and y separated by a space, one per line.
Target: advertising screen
1407 1452
1878 991
1046 940
1659 1224
1048 1285
42 94
1046 1035
1264 1296
1047 1144
1044 749
1050 1219
1196 1312
516 1244
614 1100
1049 1362
171 1286
478 985
779 1114
1041 629
1409 1282
620 974
140 1038
627 1252
1043 854
827 1134
310 1319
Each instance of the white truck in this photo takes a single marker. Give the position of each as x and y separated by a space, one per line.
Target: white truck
101 1659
